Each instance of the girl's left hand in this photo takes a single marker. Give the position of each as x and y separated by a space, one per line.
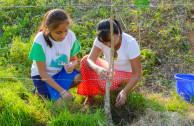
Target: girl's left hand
69 68
121 99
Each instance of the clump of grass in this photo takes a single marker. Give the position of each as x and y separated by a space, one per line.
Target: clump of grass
19 55
65 117
133 108
172 102
17 109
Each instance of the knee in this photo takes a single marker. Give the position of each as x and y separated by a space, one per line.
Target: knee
78 79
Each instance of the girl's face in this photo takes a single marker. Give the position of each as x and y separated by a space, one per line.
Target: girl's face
116 40
59 33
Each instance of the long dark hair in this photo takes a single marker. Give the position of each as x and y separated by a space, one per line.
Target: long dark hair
52 19
103 29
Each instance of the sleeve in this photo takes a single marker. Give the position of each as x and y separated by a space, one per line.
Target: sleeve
97 43
37 53
75 48
134 50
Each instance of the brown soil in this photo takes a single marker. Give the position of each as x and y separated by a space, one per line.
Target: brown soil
191 33
191 39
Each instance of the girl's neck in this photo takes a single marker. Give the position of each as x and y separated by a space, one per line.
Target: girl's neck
53 40
118 45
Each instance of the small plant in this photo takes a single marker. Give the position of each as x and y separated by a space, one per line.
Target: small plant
19 55
134 26
142 4
158 17
148 59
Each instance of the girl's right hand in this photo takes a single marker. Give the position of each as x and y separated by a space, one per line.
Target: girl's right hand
69 68
67 95
103 73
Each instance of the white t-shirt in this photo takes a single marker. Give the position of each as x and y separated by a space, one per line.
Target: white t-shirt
129 49
56 56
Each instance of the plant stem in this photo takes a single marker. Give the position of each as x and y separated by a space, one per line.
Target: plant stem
108 83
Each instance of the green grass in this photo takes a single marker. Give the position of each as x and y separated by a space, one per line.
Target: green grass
16 111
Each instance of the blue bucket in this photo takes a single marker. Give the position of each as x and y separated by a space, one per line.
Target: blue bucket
185 86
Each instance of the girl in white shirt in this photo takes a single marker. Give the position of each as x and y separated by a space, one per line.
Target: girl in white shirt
54 55
127 63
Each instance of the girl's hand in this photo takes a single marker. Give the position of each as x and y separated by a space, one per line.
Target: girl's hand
103 73
67 95
69 67
121 99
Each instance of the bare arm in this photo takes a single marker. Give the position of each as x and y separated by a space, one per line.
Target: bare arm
49 80
94 54
136 71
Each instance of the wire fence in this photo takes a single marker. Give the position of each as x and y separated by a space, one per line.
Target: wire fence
91 6
102 79
143 25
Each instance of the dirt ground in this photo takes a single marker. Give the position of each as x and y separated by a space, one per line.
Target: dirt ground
191 33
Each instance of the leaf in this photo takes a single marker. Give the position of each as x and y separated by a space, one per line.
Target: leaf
158 59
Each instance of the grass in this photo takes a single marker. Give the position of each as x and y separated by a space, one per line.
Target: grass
14 109
165 51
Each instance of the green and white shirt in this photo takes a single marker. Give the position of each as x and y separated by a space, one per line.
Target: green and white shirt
55 57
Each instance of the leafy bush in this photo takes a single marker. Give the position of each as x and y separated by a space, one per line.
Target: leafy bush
20 51
19 55
148 59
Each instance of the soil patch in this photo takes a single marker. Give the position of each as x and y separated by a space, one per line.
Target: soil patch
190 19
191 39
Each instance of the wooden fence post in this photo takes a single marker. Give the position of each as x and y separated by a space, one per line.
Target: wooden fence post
111 66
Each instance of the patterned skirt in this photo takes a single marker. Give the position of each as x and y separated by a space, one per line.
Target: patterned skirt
92 84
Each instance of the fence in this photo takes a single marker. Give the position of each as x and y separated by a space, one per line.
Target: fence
160 29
